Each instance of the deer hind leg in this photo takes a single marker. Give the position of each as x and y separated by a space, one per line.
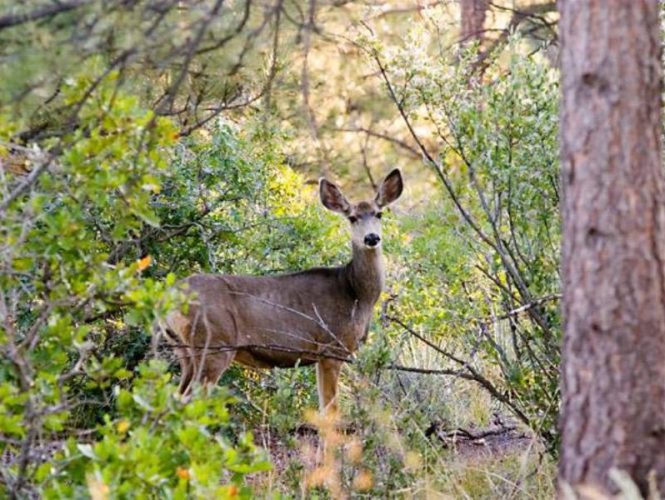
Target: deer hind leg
186 369
327 374
176 330
208 367
172 331
209 360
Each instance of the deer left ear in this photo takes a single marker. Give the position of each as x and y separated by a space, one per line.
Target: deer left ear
390 190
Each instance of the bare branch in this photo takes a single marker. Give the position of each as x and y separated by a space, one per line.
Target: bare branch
191 52
535 11
27 183
50 10
386 137
472 373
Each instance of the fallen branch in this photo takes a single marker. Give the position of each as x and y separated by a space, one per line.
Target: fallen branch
438 430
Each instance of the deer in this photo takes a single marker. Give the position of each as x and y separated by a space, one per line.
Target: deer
319 315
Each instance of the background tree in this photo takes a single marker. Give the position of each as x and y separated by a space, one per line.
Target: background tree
472 19
613 245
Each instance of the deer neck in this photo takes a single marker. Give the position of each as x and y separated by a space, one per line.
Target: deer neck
366 274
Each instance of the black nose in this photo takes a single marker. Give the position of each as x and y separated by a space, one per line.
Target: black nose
371 240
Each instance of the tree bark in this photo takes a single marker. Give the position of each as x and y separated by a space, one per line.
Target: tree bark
613 369
472 20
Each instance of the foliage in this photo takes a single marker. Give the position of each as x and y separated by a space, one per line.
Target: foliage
159 446
80 288
494 248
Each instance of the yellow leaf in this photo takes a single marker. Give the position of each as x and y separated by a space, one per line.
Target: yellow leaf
98 489
182 473
123 426
144 262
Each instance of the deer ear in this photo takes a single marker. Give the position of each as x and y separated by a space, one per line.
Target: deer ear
332 198
391 189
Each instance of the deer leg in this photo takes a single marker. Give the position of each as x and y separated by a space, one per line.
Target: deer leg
208 362
327 373
213 365
186 369
176 330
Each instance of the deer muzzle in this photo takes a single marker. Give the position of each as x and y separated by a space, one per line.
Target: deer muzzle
372 240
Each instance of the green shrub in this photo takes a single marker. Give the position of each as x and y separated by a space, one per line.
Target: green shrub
158 446
85 270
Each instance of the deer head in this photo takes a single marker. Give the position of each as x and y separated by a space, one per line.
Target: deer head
365 216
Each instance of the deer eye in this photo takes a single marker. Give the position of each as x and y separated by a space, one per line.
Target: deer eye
378 215
353 219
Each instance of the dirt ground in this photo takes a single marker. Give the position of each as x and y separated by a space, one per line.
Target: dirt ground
494 441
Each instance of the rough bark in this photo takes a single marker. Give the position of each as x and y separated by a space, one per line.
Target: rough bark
613 371
472 19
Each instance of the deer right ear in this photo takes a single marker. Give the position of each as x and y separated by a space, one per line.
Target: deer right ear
332 198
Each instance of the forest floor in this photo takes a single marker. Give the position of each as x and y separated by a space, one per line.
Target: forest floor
465 445
295 456
499 460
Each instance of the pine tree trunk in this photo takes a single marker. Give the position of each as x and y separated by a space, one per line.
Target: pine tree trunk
613 371
473 19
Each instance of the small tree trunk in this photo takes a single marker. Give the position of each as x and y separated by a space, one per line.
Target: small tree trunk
473 19
613 370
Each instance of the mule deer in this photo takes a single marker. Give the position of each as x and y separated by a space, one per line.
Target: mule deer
320 315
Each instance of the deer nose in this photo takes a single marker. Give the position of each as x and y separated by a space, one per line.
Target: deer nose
372 239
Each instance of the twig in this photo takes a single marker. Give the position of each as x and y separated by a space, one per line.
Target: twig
52 9
191 52
382 135
472 374
27 182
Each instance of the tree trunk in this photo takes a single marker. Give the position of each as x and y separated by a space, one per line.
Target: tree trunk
613 369
473 19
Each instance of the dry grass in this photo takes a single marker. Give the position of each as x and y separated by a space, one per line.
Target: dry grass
395 451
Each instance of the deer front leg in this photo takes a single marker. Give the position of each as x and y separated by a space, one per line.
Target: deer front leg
327 373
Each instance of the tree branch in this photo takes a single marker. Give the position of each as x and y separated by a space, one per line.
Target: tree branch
50 10
27 183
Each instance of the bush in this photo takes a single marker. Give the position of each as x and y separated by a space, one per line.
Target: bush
158 447
91 255
480 276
